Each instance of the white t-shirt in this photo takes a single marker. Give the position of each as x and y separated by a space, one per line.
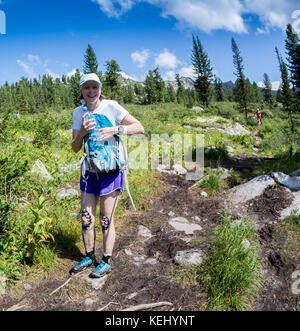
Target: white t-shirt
112 114
109 113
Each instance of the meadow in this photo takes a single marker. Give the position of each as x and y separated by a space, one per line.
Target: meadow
37 228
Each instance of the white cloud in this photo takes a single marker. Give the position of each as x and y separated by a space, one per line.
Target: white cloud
52 74
140 57
187 72
33 64
209 15
272 13
169 75
167 60
115 8
71 73
275 85
205 15
27 68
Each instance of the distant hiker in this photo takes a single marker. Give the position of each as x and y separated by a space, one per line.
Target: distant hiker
113 120
258 115
262 104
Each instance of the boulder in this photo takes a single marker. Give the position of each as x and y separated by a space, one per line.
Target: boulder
144 232
182 224
194 256
291 182
197 108
70 168
40 169
247 191
179 169
295 173
236 130
294 206
66 193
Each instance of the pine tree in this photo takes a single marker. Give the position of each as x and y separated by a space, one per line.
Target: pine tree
75 80
180 95
256 97
171 93
160 86
293 51
219 91
150 89
90 61
267 92
155 88
203 71
241 81
112 86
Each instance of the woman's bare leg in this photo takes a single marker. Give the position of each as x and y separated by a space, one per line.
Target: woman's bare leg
88 221
108 205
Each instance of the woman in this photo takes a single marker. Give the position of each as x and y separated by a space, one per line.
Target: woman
108 186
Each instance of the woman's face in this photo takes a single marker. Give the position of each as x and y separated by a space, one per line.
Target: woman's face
91 92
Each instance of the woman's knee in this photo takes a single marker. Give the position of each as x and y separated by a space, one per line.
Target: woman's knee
87 219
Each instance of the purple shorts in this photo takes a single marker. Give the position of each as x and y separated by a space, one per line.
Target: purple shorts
104 184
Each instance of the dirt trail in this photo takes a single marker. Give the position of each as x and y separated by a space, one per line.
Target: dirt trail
135 281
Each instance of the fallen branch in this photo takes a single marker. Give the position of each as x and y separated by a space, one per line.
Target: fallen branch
147 306
66 282
111 303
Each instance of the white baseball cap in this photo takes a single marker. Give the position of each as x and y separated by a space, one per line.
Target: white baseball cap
89 77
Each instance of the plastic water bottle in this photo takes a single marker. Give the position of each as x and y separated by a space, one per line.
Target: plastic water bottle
88 118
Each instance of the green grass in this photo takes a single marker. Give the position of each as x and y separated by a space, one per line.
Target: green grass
231 275
212 182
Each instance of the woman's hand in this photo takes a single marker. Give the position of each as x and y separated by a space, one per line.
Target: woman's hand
87 125
107 132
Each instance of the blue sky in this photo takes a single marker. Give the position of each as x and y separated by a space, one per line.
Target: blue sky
51 36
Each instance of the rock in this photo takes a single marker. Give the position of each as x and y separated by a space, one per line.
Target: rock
89 302
179 169
245 192
190 257
197 174
182 224
197 108
171 213
40 169
229 149
27 140
291 182
96 283
70 168
144 232
66 193
150 261
235 131
246 243
295 173
204 194
294 206
165 169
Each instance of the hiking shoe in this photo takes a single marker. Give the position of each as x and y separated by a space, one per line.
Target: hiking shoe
102 269
82 265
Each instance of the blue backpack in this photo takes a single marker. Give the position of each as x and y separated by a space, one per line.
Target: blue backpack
103 156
